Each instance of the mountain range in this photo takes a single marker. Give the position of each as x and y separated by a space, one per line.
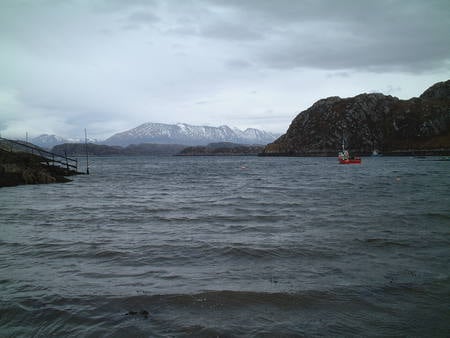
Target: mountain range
48 141
182 133
160 133
366 122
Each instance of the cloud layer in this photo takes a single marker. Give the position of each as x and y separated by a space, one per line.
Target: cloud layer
111 65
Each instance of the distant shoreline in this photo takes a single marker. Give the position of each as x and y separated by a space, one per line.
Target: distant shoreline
400 153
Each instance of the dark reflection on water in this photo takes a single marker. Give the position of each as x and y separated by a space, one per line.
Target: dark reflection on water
242 246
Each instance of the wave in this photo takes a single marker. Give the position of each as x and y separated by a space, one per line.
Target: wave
439 215
340 311
381 242
284 251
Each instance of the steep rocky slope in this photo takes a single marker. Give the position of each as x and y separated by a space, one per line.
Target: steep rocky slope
370 121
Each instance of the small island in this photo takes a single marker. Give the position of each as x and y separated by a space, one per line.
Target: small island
143 149
154 149
222 149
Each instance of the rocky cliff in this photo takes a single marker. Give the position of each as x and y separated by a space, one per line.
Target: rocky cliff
370 121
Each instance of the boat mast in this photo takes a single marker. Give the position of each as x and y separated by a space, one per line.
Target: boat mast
86 150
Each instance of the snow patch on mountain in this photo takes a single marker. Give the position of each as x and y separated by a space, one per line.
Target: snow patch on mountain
183 133
49 141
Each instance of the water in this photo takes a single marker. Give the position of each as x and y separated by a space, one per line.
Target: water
229 246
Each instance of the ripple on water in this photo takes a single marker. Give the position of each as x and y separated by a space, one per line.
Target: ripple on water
162 246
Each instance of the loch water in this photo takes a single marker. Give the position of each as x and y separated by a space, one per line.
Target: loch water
229 247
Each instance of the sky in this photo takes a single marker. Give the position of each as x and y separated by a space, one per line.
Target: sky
111 65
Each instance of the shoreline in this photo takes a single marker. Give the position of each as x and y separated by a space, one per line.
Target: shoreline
19 168
393 153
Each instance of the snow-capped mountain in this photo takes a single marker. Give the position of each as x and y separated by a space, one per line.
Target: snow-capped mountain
182 133
255 136
49 141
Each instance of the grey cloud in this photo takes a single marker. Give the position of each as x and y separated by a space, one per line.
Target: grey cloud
365 11
338 74
230 31
68 61
372 55
143 17
380 36
238 64
111 6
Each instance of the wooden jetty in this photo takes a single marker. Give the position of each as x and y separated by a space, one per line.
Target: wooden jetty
52 159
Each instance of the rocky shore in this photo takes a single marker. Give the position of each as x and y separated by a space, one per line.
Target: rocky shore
17 168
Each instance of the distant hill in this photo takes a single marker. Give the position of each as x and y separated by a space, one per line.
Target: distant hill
371 121
78 149
159 133
48 141
187 134
222 149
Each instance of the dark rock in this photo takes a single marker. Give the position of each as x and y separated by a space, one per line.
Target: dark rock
143 313
440 90
18 168
370 122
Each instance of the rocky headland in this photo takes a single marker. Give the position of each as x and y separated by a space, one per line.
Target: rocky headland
369 122
18 168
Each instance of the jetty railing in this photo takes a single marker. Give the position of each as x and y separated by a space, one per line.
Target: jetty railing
51 158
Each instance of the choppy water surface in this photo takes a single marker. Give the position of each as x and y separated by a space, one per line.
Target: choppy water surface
229 246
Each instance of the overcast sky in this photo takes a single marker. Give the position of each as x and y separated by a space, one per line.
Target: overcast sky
109 66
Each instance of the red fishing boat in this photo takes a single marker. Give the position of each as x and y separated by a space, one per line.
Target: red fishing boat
345 158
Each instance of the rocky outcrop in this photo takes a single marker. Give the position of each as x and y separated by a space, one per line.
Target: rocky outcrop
438 91
370 122
18 168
